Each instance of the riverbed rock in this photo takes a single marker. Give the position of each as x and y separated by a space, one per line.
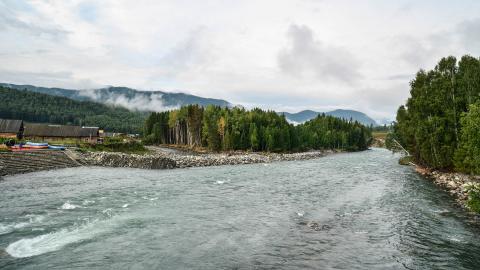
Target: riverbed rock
171 159
453 183
317 227
4 253
111 159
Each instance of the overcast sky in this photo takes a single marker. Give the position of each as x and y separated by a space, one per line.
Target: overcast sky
282 55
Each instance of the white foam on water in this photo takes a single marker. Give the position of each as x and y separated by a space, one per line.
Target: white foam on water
125 205
44 243
21 225
88 202
8 228
456 238
68 206
4 229
220 182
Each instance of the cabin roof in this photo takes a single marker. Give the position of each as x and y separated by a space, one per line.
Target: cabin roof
43 130
10 126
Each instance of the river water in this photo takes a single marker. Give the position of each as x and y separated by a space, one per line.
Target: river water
345 211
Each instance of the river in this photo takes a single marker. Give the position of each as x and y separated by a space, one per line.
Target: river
344 211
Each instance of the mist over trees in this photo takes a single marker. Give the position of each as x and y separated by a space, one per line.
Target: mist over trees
43 108
440 123
226 129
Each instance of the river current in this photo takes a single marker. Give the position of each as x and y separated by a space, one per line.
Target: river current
344 211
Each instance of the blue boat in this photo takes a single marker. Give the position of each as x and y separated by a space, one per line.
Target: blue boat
36 144
54 147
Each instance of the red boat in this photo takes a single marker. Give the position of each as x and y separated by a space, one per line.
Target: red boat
17 148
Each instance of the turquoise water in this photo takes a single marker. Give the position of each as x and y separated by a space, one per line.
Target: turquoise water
345 211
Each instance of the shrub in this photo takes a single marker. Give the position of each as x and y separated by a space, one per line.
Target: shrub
473 202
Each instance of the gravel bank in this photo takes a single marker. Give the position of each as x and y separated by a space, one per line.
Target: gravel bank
170 160
453 182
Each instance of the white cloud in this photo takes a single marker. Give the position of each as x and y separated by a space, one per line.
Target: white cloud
275 54
152 102
307 57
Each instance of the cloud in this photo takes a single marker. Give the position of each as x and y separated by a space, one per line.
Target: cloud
308 57
305 54
57 79
187 52
469 34
153 102
88 12
11 20
401 77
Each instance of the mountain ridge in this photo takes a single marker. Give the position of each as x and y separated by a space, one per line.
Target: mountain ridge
305 115
127 97
142 100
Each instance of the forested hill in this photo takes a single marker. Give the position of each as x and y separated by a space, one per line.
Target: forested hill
42 108
127 97
306 115
440 123
238 129
137 100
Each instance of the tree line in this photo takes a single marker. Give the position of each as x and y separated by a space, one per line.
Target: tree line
43 108
440 123
224 129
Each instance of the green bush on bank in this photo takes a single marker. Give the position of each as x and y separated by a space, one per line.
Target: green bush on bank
473 201
407 160
116 145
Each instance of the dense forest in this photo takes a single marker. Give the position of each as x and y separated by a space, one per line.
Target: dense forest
440 123
238 129
42 108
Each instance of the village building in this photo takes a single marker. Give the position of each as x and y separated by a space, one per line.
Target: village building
45 132
11 128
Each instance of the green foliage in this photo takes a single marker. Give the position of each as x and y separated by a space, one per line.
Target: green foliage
467 156
42 108
116 145
473 201
429 126
220 128
405 160
3 140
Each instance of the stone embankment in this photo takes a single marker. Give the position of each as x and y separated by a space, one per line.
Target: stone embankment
454 183
112 159
25 162
169 160
158 158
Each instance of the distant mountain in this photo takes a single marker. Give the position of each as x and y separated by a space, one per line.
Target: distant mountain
127 97
133 99
306 115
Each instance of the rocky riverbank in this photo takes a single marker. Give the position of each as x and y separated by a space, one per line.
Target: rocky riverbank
26 162
114 159
454 183
160 159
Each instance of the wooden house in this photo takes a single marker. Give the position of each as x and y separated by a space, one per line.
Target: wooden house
45 132
11 128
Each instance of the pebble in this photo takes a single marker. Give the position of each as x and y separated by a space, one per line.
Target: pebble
171 160
452 182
